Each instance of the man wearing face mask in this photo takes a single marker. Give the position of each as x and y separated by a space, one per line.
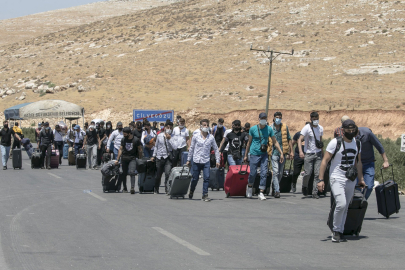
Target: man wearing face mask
233 142
137 132
79 137
46 138
148 140
6 133
92 141
102 143
219 131
115 138
181 140
199 153
259 137
283 138
312 135
163 155
58 141
108 131
130 149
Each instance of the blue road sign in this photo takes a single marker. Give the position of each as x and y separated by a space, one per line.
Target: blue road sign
158 116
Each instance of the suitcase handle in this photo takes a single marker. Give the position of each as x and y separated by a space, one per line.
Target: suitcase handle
181 173
382 178
242 172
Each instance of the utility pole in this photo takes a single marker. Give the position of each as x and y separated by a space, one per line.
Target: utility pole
271 57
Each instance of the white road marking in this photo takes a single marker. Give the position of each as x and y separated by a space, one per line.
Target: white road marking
3 264
96 196
54 175
26 163
182 242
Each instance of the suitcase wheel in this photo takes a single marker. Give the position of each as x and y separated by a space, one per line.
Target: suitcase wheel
212 189
183 197
228 195
217 189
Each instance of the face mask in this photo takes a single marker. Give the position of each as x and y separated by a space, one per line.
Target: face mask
263 122
315 122
162 127
181 126
5 126
220 126
108 126
119 129
168 131
350 135
204 129
237 129
92 127
126 137
277 121
47 128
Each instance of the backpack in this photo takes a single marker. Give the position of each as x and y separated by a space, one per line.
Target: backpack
149 139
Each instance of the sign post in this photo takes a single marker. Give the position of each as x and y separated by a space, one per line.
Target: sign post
153 115
403 143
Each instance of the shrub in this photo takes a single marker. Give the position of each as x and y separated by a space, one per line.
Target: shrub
29 133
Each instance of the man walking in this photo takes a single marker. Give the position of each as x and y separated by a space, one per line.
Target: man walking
78 138
6 133
92 141
233 142
58 141
18 131
259 137
339 131
180 142
148 140
115 138
46 138
312 135
219 131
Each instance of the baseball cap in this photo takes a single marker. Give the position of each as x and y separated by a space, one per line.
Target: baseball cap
119 124
76 127
349 124
262 115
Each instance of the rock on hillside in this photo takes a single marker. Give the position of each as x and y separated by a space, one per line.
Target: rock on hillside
195 55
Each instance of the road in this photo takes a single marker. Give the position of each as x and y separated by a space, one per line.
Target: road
51 220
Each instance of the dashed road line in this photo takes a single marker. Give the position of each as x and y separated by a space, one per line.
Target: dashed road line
54 175
96 196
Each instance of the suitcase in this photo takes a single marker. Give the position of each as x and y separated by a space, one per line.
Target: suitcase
269 180
286 180
81 160
387 196
146 182
111 183
17 158
55 159
355 214
65 151
184 157
217 178
106 158
36 159
71 157
311 184
179 182
141 164
236 180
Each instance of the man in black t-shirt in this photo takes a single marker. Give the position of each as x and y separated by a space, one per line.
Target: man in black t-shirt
219 131
102 143
6 133
298 162
236 140
137 132
92 140
130 149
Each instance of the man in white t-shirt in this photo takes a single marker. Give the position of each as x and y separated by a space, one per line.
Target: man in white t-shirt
348 154
313 154
181 141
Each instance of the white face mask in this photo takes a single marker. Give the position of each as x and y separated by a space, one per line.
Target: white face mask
220 125
168 131
204 129
263 122
108 126
315 122
92 127
181 126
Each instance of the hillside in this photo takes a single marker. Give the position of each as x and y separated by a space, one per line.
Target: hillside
195 55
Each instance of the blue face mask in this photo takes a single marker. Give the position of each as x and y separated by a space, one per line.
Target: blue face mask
277 121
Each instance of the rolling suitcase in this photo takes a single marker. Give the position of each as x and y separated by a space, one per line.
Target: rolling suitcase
111 183
355 214
311 184
236 180
184 157
387 196
17 158
217 178
71 157
141 164
286 180
55 159
36 159
65 151
146 182
256 184
179 182
81 160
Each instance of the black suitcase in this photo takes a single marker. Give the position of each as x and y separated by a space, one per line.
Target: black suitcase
311 184
286 180
81 160
256 184
111 183
387 196
36 159
17 158
217 178
141 164
355 214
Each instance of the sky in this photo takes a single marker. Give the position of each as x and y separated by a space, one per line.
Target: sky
17 8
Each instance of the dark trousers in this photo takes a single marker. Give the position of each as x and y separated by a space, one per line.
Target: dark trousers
100 153
298 163
46 151
225 154
59 146
128 167
16 143
177 156
162 165
78 146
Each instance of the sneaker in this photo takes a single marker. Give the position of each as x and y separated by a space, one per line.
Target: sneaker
166 191
304 191
293 187
342 238
48 168
277 194
336 237
261 196
315 195
125 190
273 193
42 168
205 198
156 191
132 191
190 195
4 168
249 191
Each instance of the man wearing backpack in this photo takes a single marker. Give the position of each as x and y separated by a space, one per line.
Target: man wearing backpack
234 140
283 138
312 135
345 156
257 145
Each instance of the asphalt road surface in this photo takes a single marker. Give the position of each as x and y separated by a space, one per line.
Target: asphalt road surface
51 220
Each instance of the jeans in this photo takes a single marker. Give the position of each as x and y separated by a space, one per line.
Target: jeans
243 154
298 163
5 153
263 160
312 160
232 161
115 153
78 146
342 191
59 146
196 169
278 169
92 155
162 165
128 167
368 174
177 155
147 152
46 152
